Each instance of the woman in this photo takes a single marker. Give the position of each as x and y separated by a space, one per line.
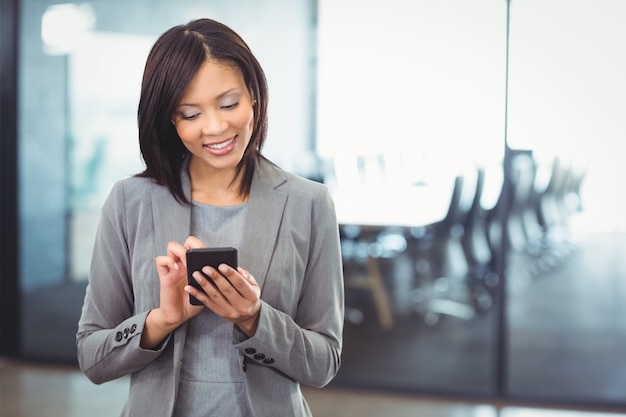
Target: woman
262 328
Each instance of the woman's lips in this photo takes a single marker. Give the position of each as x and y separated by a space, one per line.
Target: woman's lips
221 145
221 148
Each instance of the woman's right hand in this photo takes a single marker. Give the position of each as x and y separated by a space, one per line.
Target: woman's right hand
174 306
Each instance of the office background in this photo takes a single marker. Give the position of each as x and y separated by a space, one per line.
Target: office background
413 110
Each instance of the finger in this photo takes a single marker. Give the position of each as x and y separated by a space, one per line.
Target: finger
211 291
165 263
221 282
199 295
193 242
206 283
247 275
177 252
240 279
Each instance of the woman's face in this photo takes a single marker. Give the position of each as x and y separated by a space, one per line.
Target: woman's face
214 118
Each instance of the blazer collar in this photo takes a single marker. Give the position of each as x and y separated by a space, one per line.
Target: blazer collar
172 219
268 196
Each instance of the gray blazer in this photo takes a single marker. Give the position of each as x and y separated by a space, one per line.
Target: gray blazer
290 245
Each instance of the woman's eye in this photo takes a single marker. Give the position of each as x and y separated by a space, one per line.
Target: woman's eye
230 106
190 116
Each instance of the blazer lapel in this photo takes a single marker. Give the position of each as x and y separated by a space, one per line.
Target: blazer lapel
172 220
265 210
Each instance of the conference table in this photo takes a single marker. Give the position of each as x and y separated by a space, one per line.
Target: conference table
375 208
383 206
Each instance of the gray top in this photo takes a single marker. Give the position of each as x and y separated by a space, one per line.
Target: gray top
211 380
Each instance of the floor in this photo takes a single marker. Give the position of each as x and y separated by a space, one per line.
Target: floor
28 390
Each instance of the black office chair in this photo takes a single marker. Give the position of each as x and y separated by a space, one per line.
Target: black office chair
573 200
482 276
553 214
519 223
440 264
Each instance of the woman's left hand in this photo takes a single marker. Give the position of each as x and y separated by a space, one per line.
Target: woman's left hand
233 295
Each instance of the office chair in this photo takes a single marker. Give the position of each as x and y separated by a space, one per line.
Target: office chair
440 264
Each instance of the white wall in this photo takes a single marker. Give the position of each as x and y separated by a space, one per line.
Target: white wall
568 95
418 77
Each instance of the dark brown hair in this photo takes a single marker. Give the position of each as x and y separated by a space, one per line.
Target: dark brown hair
174 60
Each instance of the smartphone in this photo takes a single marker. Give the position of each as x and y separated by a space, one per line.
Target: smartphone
198 258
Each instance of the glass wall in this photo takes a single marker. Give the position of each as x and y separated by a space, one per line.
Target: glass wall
435 92
411 128
567 269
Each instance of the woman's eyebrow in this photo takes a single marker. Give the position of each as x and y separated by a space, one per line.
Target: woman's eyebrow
227 92
220 96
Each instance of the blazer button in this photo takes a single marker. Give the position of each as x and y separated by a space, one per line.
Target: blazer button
118 336
268 361
250 351
126 332
133 328
259 356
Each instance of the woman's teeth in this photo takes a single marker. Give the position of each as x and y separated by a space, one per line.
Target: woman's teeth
221 145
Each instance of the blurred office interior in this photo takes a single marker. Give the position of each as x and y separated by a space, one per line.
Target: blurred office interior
474 151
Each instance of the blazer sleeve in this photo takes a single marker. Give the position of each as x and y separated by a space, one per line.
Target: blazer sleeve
109 331
307 346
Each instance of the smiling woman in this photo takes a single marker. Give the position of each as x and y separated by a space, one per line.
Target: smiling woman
214 120
206 90
273 322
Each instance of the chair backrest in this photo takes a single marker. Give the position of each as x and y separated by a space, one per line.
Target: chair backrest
474 212
453 214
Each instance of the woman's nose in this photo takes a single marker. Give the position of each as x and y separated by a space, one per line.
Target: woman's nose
214 124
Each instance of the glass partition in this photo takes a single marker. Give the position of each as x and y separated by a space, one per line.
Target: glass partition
410 125
567 98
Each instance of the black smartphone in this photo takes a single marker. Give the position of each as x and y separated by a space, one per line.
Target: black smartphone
198 258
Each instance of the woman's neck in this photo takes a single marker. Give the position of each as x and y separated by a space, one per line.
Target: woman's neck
216 187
